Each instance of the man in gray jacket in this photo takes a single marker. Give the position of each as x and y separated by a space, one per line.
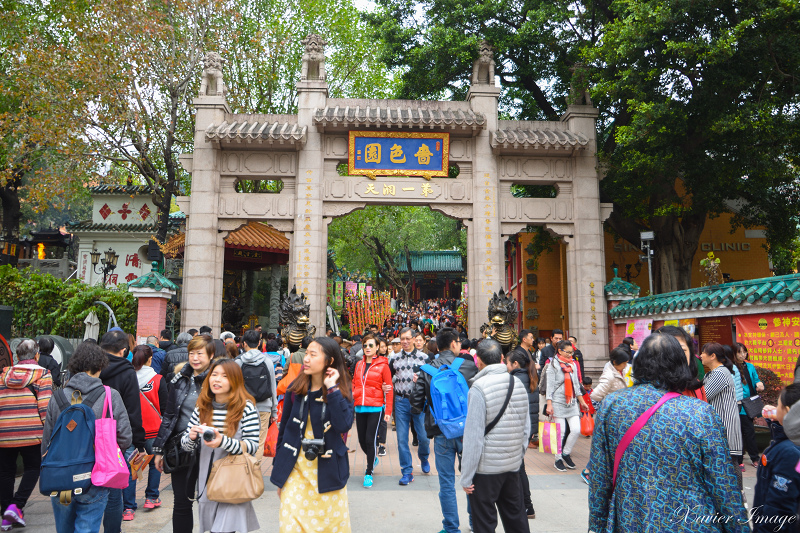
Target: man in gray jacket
495 440
268 408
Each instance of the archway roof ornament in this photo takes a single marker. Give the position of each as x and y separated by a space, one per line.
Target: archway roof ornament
257 131
400 114
528 135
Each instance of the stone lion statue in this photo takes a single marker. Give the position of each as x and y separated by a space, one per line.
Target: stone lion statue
314 58
483 68
212 75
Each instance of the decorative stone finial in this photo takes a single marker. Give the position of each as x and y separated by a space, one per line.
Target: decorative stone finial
313 58
616 273
212 83
483 68
579 86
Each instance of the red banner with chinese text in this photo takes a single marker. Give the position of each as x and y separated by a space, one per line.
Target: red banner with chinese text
772 340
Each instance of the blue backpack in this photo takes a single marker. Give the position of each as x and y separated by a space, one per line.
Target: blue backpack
67 464
449 392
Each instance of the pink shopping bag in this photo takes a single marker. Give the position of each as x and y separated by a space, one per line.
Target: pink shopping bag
110 469
550 437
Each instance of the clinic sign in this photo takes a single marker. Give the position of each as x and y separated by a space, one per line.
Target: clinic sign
376 153
772 340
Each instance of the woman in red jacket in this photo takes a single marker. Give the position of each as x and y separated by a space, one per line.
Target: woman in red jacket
371 374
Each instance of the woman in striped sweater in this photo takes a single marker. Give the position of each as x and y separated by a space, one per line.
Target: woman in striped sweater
721 394
225 406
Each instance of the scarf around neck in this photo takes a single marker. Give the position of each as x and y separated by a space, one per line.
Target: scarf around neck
566 367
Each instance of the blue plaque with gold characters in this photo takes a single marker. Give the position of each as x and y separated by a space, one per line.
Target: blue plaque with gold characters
382 153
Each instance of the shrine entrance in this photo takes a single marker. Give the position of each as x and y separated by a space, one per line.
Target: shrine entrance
303 151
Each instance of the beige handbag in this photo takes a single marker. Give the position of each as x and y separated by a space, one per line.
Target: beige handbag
235 479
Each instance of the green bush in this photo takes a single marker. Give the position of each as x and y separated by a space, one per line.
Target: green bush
46 305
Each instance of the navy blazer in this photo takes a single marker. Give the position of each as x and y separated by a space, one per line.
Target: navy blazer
332 471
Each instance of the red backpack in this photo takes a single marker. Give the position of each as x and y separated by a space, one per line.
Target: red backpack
151 410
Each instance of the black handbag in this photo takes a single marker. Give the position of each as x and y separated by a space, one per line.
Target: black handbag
753 405
175 457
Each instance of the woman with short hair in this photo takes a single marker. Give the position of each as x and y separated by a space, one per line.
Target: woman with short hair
676 471
183 393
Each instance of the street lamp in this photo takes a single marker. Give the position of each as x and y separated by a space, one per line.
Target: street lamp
109 263
647 238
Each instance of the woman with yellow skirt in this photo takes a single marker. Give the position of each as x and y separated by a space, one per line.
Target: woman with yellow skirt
311 465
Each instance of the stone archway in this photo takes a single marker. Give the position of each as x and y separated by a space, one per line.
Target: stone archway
304 150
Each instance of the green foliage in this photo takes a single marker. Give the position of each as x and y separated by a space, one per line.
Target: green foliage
698 100
263 49
45 305
542 243
772 385
419 228
262 186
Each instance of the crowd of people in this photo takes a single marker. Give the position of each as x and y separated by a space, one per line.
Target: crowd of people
667 452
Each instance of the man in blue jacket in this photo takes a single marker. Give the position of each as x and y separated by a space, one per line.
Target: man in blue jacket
445 449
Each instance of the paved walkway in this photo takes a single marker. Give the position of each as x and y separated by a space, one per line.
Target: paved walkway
560 498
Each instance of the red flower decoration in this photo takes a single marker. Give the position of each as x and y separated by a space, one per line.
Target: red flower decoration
144 212
105 211
125 211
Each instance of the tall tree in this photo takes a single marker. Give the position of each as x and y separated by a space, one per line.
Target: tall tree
378 238
698 99
263 49
124 75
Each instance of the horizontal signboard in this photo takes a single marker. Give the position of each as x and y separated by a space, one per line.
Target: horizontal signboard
375 153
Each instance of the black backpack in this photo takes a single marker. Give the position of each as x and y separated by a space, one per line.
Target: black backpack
257 380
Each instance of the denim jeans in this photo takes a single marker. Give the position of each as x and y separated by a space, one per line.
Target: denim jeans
112 519
402 419
84 514
446 451
153 481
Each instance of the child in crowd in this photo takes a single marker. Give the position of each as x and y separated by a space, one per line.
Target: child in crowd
777 494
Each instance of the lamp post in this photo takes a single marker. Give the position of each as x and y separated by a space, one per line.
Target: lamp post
647 238
109 263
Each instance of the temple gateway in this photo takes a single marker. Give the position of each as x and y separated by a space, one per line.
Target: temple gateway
398 152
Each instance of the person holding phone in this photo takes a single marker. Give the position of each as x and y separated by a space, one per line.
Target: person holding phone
371 373
311 467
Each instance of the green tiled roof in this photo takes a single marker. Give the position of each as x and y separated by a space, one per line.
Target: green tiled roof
751 292
120 189
436 261
618 286
153 280
88 225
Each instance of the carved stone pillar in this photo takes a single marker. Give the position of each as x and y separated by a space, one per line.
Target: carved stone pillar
275 297
309 243
204 256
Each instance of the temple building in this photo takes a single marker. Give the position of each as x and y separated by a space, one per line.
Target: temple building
434 274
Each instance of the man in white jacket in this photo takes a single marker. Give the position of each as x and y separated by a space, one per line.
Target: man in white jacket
495 439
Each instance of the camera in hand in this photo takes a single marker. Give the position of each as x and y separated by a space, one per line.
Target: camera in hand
208 433
313 448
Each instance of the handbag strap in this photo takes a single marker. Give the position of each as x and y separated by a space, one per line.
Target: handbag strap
208 474
749 381
494 422
634 430
107 406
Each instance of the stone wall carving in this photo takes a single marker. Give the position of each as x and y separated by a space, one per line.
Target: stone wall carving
212 83
337 209
234 205
456 211
535 209
336 146
523 169
483 68
258 164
